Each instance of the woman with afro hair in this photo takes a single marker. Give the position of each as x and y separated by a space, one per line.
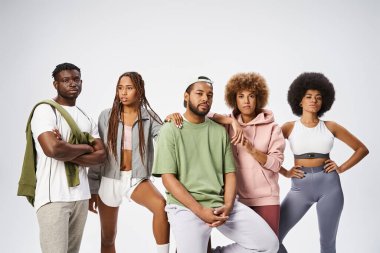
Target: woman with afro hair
315 177
259 147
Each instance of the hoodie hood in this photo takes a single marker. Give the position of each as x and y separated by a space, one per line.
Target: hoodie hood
264 117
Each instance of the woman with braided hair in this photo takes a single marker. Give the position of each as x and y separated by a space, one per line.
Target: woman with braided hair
128 130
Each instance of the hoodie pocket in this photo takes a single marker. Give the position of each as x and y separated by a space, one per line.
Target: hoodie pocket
272 180
256 183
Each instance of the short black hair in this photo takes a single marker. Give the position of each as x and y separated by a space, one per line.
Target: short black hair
190 87
63 66
311 81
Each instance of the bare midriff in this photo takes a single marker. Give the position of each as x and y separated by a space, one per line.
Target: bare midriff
315 162
126 160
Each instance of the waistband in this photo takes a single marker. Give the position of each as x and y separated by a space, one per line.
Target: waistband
312 169
126 176
312 156
126 172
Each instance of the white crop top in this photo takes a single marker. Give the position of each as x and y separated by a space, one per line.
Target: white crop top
127 143
316 139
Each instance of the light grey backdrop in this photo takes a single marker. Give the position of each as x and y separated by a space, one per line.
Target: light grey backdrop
171 42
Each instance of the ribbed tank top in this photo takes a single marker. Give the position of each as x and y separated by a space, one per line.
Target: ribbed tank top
127 144
316 139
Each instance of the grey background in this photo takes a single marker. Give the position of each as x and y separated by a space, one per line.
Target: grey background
171 42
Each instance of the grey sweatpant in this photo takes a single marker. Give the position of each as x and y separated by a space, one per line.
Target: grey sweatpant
250 232
316 187
61 226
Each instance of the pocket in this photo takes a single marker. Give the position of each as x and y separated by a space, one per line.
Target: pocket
174 211
110 191
253 183
272 179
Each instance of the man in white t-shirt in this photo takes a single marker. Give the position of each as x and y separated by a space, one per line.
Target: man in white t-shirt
62 210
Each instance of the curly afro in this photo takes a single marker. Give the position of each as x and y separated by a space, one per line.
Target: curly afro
246 81
311 81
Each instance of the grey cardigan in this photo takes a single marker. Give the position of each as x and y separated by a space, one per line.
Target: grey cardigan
111 167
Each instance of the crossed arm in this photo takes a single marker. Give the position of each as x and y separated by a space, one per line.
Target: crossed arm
81 154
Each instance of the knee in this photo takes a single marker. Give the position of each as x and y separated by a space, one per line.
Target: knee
159 207
274 246
270 245
282 249
267 245
108 238
281 235
328 244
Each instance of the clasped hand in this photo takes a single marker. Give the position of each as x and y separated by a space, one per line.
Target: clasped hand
214 217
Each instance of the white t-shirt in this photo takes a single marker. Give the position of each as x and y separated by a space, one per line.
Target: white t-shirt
52 183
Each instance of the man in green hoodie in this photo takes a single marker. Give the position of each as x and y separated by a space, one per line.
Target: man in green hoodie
61 188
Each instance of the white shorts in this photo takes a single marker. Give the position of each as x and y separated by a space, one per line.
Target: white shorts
112 191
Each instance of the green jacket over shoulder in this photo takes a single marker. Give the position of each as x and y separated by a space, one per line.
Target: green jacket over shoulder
27 183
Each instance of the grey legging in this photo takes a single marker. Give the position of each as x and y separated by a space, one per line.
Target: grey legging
316 187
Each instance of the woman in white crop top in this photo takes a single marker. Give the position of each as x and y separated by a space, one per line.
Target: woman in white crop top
315 176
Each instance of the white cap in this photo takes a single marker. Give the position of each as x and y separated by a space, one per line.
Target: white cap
202 79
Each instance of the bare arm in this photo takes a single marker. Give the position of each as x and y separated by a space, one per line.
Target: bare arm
226 120
287 129
257 154
294 171
274 156
93 203
360 150
222 119
284 172
61 150
229 198
175 187
229 191
94 158
261 157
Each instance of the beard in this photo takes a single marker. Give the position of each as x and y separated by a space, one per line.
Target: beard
194 109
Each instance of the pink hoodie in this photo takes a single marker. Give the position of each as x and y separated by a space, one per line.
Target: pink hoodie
257 185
